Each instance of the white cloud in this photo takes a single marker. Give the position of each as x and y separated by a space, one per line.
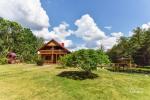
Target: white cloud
117 34
108 27
146 26
62 30
81 46
69 44
59 33
110 41
28 12
87 29
31 14
92 35
130 33
44 33
143 27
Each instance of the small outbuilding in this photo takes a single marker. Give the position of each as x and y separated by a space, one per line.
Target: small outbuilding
11 57
124 62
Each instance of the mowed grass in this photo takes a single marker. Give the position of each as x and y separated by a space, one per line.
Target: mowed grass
31 82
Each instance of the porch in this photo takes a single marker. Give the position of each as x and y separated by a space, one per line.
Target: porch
51 58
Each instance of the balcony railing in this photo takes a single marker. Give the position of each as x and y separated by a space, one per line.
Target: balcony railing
52 52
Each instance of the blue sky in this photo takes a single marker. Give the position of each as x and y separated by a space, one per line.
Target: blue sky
121 15
79 23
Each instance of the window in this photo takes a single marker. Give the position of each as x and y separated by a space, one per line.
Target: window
48 58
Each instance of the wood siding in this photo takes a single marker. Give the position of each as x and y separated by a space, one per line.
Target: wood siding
52 51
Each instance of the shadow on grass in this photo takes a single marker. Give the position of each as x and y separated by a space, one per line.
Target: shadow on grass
137 71
61 68
146 67
77 75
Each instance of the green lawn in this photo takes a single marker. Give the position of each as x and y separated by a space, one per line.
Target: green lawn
30 82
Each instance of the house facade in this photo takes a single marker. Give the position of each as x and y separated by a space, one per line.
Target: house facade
52 51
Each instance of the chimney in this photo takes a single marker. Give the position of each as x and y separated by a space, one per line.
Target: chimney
63 44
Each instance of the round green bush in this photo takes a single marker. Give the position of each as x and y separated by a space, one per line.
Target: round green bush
40 62
85 59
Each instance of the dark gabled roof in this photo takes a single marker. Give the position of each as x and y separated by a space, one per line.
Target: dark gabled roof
56 43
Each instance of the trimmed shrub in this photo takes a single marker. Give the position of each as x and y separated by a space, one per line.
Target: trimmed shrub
40 62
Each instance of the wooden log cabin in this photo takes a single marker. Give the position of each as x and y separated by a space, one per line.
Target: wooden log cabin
52 51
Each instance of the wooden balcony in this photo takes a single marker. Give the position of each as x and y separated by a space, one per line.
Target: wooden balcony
52 52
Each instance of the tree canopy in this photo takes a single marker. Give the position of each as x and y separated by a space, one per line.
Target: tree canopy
14 37
86 59
137 47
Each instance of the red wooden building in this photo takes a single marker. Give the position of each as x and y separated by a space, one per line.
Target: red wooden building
51 52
